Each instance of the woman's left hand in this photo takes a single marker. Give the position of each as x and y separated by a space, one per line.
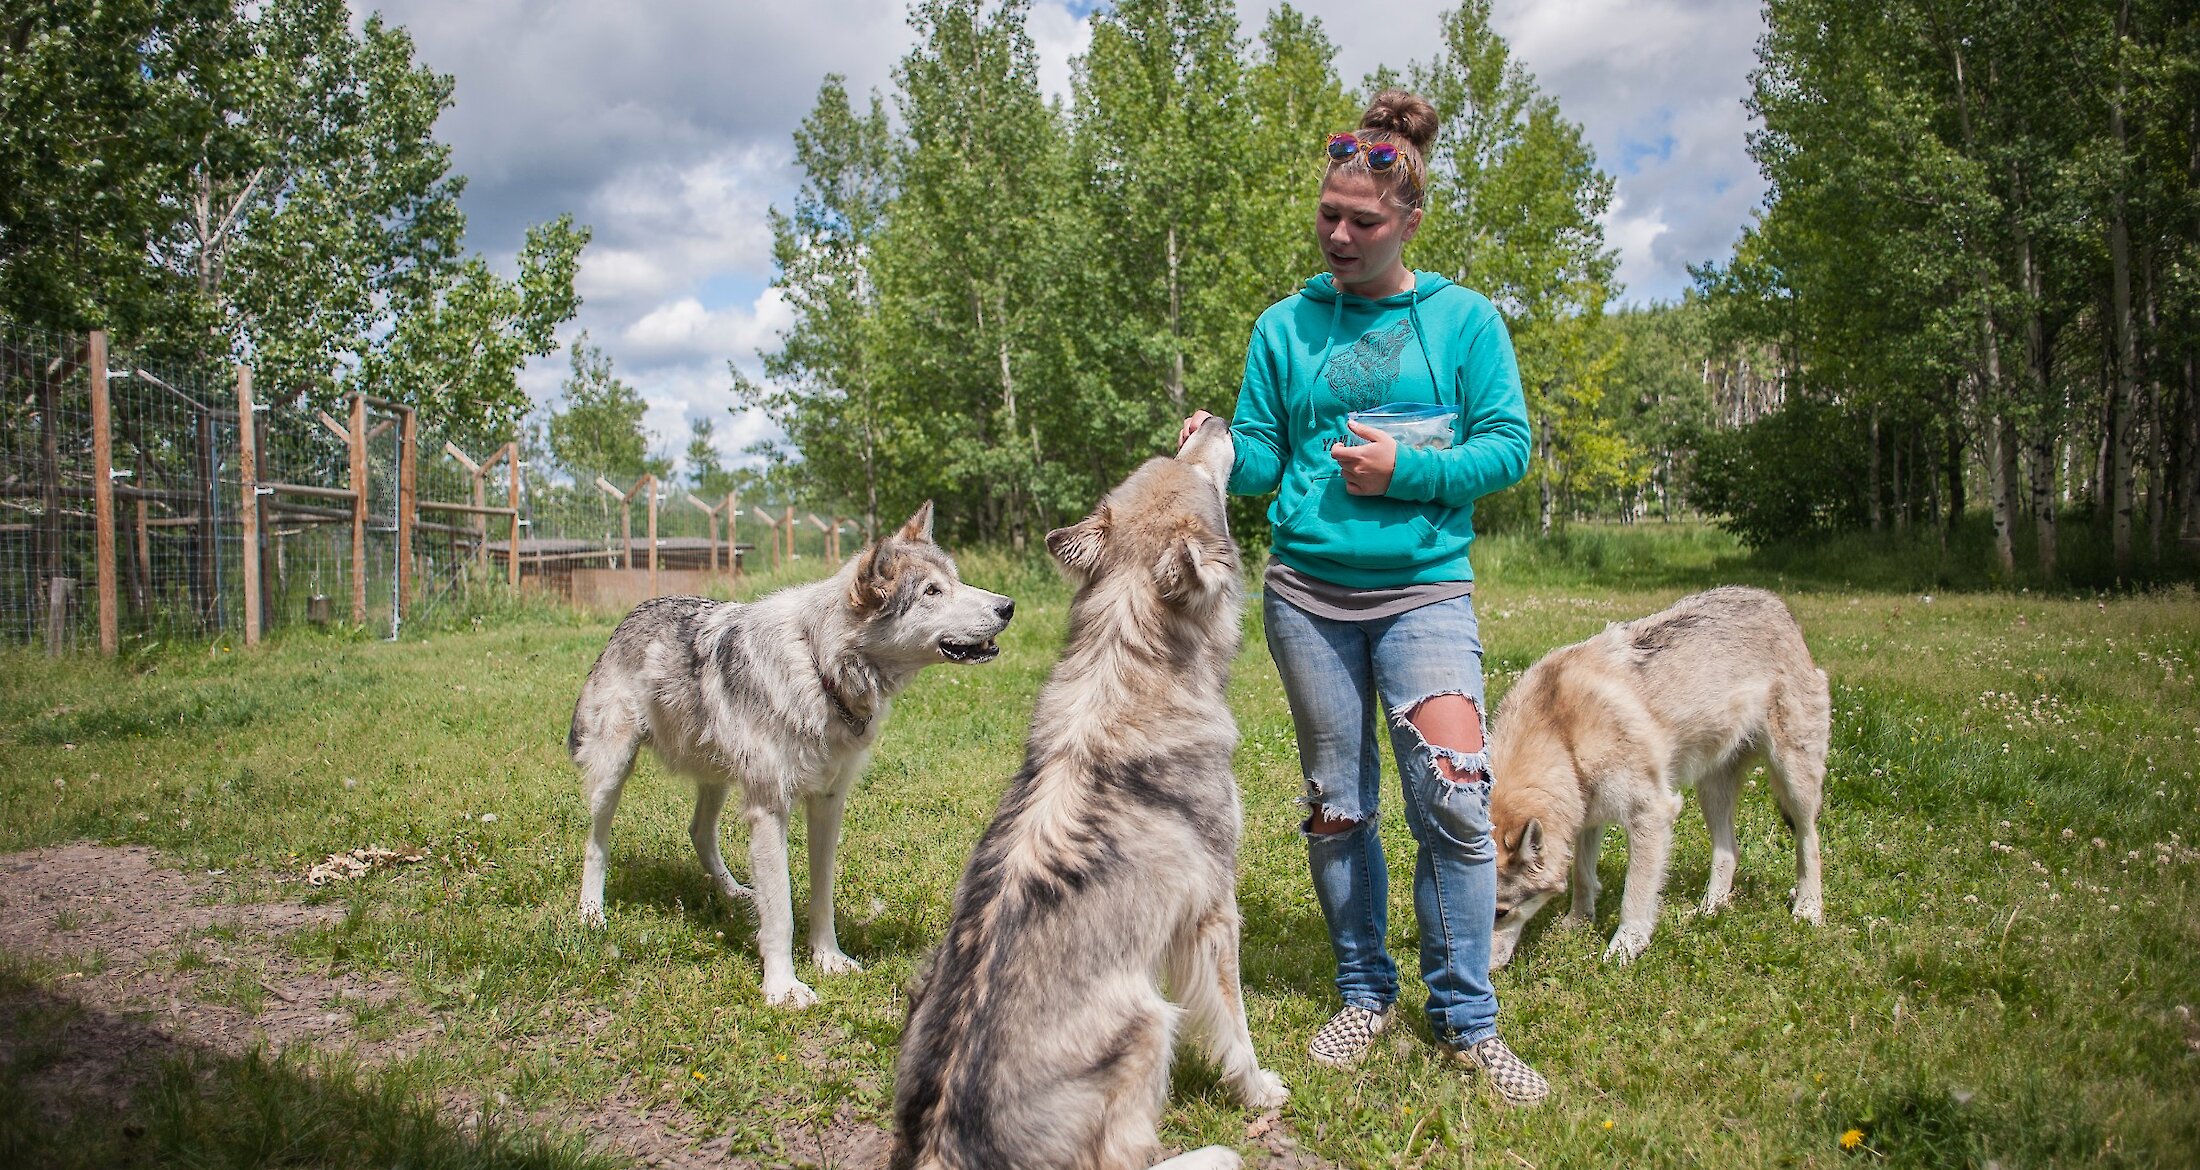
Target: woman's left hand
1366 467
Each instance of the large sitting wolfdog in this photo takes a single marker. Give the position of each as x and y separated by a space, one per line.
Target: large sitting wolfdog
1036 1036
780 699
1612 728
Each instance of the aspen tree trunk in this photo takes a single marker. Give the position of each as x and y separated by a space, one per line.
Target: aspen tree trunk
2123 433
1871 476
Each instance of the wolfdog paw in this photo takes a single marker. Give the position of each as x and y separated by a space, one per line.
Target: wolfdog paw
1263 1090
833 962
1809 910
1627 943
792 994
592 915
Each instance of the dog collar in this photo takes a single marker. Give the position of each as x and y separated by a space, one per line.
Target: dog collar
846 716
825 683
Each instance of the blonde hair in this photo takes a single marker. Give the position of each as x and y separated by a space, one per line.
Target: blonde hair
1408 121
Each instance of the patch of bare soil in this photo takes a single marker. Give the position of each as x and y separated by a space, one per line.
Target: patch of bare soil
158 964
153 963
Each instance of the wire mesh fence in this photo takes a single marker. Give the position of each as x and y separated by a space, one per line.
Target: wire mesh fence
141 502
170 442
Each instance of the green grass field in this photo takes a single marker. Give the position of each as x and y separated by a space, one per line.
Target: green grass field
2006 975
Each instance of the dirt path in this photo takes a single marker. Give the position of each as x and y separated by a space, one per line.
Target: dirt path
154 963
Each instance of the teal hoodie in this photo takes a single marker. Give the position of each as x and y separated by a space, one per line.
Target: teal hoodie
1319 354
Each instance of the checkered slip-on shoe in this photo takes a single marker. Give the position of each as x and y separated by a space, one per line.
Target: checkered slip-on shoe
1509 1075
1345 1039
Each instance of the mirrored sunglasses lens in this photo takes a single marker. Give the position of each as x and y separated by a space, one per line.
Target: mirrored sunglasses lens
1343 146
1381 156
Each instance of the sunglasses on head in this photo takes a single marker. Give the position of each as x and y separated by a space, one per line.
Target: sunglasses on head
1381 156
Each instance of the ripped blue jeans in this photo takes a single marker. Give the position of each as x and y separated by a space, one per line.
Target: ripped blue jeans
1342 679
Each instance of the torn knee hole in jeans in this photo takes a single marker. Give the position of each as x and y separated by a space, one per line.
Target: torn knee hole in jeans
1455 766
1320 809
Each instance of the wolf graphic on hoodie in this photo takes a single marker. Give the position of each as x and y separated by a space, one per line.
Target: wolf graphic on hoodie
1362 376
1320 354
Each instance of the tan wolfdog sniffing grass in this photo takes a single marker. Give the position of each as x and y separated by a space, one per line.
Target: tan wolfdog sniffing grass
1610 729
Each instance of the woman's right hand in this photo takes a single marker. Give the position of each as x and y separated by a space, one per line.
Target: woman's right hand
1191 424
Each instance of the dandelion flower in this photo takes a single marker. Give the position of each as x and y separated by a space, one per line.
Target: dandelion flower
1850 1139
1607 1123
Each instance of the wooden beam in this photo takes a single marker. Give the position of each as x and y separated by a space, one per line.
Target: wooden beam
451 449
103 497
279 488
610 489
380 429
408 505
335 428
248 507
511 460
651 480
469 509
359 510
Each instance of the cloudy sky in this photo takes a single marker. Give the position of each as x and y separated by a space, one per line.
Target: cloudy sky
665 127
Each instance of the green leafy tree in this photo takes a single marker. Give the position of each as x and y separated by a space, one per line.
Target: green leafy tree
262 182
1160 109
969 271
598 430
103 123
707 474
829 393
1515 212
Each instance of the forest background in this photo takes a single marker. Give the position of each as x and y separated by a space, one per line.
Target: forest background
1972 286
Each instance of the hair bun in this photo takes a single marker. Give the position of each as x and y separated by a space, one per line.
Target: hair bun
1407 115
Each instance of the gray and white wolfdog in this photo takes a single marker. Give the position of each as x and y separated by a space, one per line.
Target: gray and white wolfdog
779 699
1611 729
1037 1036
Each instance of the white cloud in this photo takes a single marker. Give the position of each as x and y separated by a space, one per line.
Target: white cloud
684 330
1635 236
1058 36
668 226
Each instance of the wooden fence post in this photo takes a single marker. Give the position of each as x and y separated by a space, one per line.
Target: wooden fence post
408 505
359 509
103 496
481 518
789 532
651 482
248 506
733 540
511 465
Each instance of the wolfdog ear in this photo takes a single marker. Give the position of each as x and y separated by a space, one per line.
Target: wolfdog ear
1078 546
1192 563
919 526
874 578
1531 843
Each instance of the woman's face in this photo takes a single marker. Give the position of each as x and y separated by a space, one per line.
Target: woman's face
1362 233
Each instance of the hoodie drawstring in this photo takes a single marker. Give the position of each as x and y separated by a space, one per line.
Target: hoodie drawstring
1420 338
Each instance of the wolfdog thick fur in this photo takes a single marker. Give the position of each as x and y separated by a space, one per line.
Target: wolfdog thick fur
1037 1036
1610 729
779 700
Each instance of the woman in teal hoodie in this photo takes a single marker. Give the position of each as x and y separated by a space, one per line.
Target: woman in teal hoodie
1369 597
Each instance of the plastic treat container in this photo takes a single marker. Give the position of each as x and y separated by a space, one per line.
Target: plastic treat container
1412 424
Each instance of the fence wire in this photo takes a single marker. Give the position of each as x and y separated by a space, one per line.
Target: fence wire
180 516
